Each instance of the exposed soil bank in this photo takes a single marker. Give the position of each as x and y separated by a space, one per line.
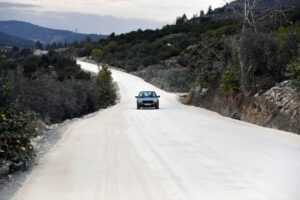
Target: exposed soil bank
278 107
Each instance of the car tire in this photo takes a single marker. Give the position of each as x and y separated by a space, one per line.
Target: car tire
138 107
157 106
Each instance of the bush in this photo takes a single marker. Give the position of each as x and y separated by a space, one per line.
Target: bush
55 101
179 79
16 130
30 65
107 92
294 73
224 31
230 79
97 54
258 54
287 39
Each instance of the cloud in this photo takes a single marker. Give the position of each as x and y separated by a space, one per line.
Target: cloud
83 23
16 5
159 10
102 16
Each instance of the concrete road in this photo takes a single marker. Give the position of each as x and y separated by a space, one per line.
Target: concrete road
176 153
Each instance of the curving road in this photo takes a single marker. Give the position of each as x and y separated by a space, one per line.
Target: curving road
175 153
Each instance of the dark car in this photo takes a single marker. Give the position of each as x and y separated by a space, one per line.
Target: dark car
147 99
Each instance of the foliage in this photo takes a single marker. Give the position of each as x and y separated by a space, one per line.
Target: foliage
288 39
293 15
210 10
284 33
180 79
63 66
50 87
54 86
230 79
16 129
294 73
97 54
30 65
38 45
200 45
55 101
181 20
258 54
224 31
107 93
139 49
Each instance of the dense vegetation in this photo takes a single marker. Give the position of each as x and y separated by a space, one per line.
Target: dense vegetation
16 129
50 87
214 50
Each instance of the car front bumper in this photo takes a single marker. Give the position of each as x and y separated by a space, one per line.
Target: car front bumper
147 104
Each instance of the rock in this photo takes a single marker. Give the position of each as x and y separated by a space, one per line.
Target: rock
279 107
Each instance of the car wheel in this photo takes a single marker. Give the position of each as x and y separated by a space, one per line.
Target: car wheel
138 107
157 106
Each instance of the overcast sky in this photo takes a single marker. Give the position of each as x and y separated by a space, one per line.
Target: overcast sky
154 12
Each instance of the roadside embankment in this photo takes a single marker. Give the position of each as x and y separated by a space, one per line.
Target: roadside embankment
279 107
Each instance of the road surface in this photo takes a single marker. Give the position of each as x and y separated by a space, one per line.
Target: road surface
176 153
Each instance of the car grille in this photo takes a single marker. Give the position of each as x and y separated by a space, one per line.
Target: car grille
147 101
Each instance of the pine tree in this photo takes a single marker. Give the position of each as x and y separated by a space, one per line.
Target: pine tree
209 11
202 14
38 45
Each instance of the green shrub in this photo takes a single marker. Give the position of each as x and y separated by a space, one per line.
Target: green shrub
284 33
230 79
107 92
179 79
16 130
258 55
97 54
288 39
224 31
54 100
294 73
30 65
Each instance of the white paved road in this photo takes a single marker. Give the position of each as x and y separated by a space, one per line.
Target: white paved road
175 153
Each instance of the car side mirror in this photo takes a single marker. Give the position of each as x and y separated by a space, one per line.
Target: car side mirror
136 97
158 96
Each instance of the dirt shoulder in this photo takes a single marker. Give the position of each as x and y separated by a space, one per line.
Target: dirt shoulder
10 183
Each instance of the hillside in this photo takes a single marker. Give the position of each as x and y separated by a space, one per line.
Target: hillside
33 32
8 40
223 62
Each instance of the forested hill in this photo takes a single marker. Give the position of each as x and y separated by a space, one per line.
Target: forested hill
33 32
219 51
9 40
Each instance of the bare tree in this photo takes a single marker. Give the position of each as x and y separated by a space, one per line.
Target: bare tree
253 14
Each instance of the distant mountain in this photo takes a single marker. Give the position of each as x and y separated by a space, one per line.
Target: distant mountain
33 32
9 40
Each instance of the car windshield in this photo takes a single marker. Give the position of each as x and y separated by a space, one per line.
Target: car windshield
147 94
